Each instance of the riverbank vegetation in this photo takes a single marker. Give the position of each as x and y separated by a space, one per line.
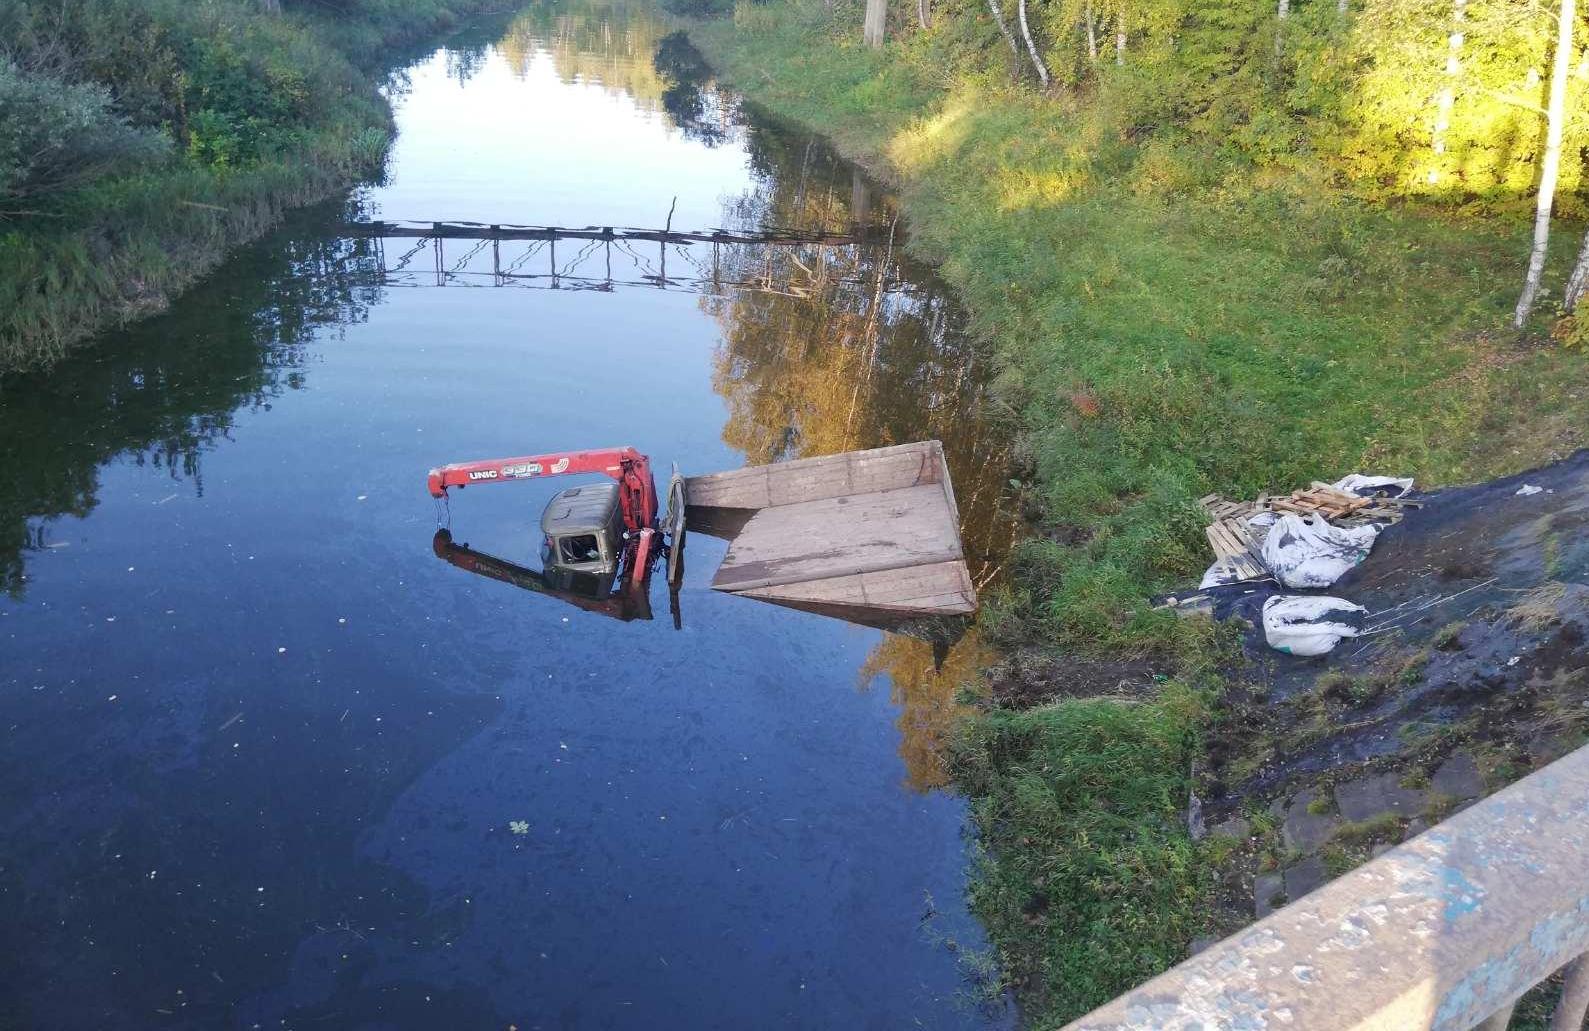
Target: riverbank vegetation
1217 248
140 140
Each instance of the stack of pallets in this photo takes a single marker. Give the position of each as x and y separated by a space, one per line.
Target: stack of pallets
1339 507
1235 542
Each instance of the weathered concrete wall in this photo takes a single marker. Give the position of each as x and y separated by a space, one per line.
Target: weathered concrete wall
1438 933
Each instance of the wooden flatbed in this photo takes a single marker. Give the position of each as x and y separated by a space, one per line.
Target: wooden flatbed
868 536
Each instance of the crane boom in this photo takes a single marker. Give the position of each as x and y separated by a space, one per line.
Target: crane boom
637 492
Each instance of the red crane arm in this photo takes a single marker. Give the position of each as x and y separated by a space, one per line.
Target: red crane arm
637 493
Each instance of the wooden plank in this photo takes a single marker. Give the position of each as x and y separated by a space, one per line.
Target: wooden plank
841 536
869 536
815 479
943 588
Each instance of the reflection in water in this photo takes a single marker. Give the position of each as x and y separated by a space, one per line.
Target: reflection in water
877 356
166 393
232 806
621 598
609 45
869 351
926 690
625 49
826 348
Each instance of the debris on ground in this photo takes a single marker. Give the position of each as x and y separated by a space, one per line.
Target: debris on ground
1469 669
1311 552
1306 540
1325 528
1310 624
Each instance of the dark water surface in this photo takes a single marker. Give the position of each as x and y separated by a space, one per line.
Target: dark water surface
268 762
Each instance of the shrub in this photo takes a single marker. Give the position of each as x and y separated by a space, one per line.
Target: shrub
55 135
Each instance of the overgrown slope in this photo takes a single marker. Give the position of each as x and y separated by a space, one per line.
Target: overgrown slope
140 140
1195 282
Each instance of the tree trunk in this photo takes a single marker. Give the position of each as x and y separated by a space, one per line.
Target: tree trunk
1283 9
1579 280
1004 28
1092 34
270 6
1031 47
1340 6
924 13
876 22
1548 167
1120 38
1448 94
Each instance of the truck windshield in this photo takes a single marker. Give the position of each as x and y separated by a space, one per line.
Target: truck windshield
579 548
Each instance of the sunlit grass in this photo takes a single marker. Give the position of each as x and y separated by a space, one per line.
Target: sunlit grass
1169 321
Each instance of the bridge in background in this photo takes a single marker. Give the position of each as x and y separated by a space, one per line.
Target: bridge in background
515 256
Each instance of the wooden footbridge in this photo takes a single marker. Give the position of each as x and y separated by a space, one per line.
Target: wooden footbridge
499 254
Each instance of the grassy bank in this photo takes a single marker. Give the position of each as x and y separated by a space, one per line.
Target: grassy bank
141 140
1176 310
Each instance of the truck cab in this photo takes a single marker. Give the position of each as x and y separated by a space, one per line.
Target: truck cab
582 531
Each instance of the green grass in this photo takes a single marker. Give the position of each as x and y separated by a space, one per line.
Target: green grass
276 113
1169 320
1240 329
1088 877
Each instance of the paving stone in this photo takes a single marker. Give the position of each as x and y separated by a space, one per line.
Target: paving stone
1378 794
1236 827
1268 894
1304 877
1458 777
1304 831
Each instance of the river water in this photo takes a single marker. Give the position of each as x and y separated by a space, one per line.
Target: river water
269 763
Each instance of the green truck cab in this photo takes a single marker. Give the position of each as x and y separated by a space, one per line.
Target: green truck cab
582 531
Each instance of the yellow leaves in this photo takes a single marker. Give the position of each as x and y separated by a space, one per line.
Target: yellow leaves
1018 190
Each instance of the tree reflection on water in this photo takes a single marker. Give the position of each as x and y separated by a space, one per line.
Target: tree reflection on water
825 348
165 391
871 351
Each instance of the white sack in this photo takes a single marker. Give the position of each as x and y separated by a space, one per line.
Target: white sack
1309 625
1368 486
1307 551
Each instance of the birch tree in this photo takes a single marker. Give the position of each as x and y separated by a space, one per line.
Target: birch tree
1031 47
1554 116
1579 280
872 28
1004 28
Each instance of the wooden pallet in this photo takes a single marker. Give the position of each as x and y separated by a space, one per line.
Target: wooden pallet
1233 543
